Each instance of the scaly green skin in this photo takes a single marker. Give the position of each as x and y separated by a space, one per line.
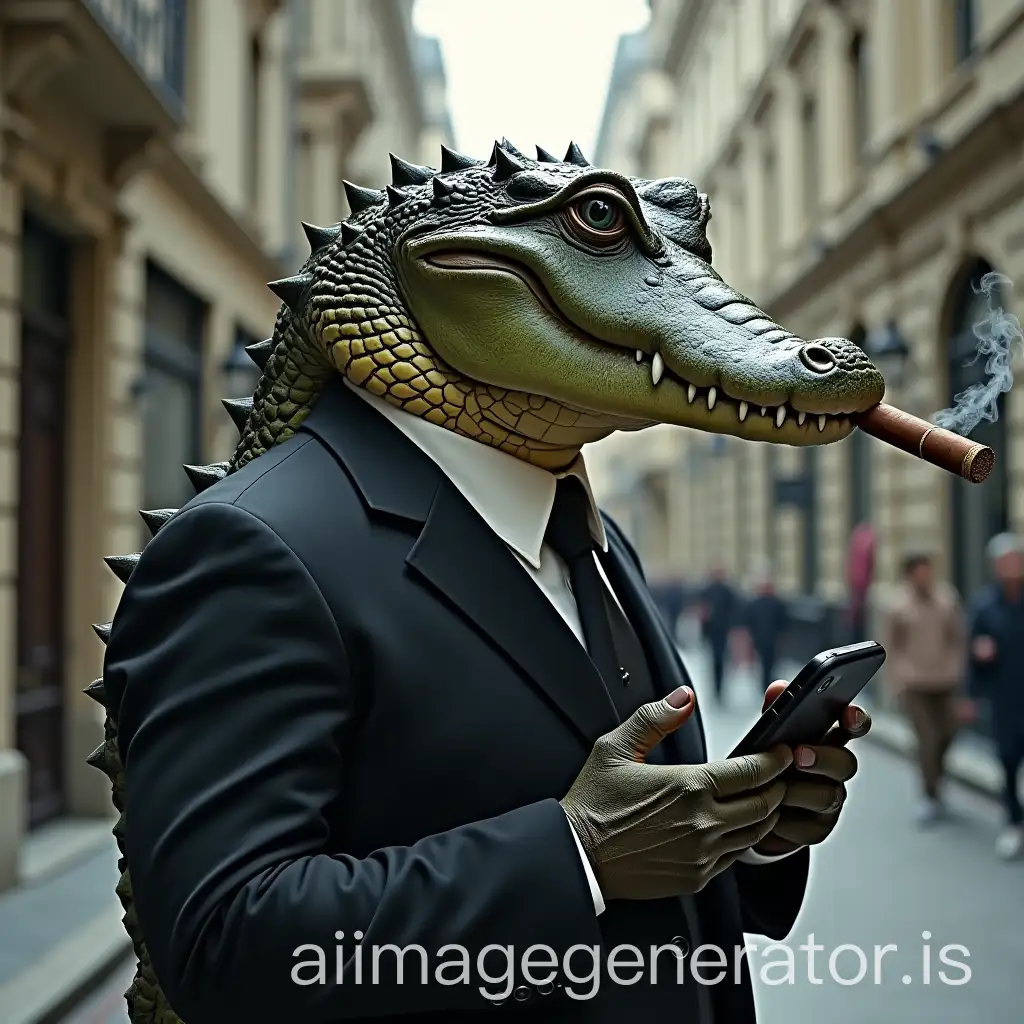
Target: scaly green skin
483 299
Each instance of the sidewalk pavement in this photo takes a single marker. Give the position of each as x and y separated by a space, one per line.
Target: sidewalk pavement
61 933
60 928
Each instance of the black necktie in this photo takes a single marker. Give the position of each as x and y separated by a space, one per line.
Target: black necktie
569 535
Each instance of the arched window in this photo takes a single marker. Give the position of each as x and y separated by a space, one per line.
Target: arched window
978 511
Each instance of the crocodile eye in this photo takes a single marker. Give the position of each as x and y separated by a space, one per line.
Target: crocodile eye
599 214
598 219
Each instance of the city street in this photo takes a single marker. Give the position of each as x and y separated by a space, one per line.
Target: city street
878 882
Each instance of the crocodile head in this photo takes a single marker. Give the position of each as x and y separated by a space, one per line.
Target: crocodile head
537 305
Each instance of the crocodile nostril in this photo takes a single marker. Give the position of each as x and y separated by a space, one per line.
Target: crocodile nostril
817 358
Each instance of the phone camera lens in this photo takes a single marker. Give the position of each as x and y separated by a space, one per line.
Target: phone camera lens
825 685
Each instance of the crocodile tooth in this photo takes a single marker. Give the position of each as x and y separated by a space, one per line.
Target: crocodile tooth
800 419
780 416
712 398
743 411
657 368
764 410
639 356
821 423
691 392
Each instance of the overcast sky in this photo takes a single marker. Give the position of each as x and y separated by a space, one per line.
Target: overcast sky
534 71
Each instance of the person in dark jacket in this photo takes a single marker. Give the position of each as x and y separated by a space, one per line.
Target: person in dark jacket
721 606
997 673
766 620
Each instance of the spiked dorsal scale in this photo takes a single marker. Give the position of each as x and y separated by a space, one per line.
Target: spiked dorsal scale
320 238
206 476
396 196
509 148
452 161
291 289
574 156
238 409
360 199
122 566
349 233
441 190
97 691
155 518
259 352
506 165
102 630
404 173
544 157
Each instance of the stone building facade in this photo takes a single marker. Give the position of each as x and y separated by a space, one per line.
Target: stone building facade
864 163
156 157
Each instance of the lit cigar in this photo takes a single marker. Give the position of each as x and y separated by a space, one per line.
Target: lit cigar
942 448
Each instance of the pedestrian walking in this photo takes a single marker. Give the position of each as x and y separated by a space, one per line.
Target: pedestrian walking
766 619
720 608
997 673
925 638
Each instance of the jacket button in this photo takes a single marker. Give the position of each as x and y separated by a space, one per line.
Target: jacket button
522 993
546 989
679 941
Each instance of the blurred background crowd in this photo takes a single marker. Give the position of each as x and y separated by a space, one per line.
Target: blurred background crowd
948 667
864 164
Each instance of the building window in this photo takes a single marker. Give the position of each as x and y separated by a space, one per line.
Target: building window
964 29
860 66
171 391
812 170
253 100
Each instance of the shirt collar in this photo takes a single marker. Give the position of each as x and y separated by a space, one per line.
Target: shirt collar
513 497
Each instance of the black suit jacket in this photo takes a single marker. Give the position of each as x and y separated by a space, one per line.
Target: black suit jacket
345 707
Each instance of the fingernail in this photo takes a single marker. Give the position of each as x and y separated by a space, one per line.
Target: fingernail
805 757
679 698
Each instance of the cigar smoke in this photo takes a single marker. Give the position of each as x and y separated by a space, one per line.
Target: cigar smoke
999 337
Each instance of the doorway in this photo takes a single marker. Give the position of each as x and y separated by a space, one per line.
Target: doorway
39 688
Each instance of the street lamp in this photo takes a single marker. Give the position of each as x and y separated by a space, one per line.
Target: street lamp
890 352
240 373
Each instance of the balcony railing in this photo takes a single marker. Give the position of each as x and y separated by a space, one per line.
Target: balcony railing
151 34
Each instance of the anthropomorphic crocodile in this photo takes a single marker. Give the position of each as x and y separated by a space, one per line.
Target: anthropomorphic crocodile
535 306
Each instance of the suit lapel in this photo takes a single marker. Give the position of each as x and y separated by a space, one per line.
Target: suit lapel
462 558
667 670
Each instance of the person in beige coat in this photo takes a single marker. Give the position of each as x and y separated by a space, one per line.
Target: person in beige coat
925 637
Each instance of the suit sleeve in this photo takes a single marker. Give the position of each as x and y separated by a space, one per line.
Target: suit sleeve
237 720
771 894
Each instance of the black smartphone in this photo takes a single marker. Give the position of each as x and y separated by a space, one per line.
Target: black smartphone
815 700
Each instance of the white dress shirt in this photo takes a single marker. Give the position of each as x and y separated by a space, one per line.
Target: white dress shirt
514 498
